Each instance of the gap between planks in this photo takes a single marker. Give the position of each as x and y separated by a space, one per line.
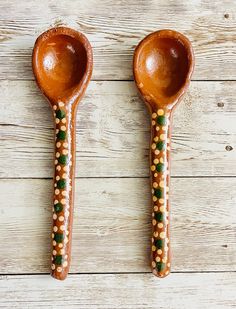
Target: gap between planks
112 225
119 80
120 177
115 32
119 273
113 132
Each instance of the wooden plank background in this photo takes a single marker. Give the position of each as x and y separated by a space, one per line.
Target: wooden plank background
115 28
115 291
110 265
113 131
112 225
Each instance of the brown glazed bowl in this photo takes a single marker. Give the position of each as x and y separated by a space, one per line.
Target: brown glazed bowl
62 64
163 65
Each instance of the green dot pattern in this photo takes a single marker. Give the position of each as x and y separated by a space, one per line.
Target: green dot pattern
58 207
159 243
60 114
158 193
61 135
160 188
159 216
58 259
160 266
61 184
160 167
161 120
161 145
63 159
58 237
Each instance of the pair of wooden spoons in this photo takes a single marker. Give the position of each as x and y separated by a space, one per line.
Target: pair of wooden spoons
62 65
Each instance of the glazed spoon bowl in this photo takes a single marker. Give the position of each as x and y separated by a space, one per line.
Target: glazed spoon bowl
163 65
62 64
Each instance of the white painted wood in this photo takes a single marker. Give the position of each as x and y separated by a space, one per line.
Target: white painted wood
115 28
112 225
113 131
126 291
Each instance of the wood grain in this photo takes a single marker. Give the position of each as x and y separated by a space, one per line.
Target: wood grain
112 215
123 291
113 131
112 225
115 28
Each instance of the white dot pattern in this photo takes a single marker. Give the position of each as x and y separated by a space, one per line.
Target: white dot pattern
62 193
160 188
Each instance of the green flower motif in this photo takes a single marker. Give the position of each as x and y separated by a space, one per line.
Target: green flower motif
159 243
58 259
160 266
60 114
159 216
58 207
58 237
61 184
161 120
63 159
160 167
61 135
158 193
161 145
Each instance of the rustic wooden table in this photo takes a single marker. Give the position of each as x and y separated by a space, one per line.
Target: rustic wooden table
110 267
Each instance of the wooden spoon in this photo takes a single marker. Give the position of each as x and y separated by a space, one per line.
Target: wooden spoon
62 64
163 65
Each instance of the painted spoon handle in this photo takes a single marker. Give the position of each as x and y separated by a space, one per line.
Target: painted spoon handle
160 167
63 189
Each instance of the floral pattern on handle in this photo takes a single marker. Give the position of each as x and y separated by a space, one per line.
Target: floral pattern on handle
63 190
159 156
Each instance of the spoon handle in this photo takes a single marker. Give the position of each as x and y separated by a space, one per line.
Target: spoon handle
160 167
63 189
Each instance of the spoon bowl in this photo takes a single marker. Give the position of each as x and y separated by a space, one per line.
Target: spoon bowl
62 64
163 65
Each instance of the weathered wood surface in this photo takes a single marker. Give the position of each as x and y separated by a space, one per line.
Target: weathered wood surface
113 131
115 28
112 215
112 225
123 291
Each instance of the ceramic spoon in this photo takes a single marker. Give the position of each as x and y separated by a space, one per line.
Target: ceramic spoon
62 65
163 65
